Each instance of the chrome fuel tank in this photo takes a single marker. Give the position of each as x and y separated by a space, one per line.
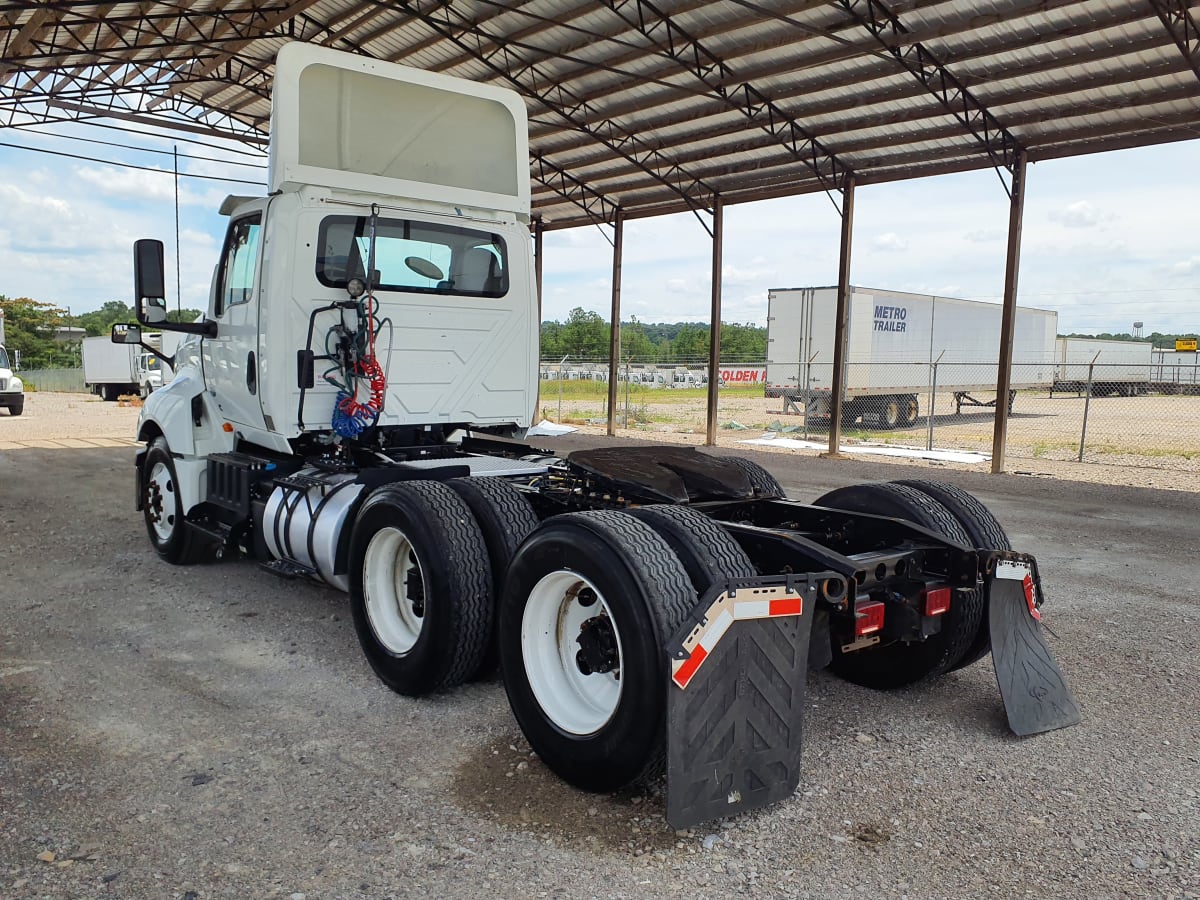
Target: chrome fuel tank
308 524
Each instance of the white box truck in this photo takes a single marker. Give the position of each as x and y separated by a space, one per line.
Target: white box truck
893 342
112 370
1112 367
352 410
12 389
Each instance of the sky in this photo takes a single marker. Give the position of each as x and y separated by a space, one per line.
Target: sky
1109 239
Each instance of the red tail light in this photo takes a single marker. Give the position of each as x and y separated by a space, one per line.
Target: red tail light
868 617
936 600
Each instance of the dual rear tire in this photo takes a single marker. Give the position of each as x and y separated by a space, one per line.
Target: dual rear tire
964 637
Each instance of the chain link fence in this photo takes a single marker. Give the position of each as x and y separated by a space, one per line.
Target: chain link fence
1096 412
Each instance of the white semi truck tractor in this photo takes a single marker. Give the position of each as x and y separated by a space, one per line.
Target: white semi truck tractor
352 409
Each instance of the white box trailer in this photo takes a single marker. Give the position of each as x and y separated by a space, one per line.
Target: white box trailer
1175 371
1117 367
111 370
894 340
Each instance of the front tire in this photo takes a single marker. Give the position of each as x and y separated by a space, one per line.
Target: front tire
17 408
420 587
590 601
166 520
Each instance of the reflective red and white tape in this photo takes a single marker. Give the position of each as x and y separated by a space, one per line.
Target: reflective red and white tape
724 611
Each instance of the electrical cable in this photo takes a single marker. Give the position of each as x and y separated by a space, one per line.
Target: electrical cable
111 162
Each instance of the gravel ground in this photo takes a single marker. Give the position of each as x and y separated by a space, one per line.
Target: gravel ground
215 732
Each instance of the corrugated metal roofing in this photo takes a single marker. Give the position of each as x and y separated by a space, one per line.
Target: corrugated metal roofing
656 107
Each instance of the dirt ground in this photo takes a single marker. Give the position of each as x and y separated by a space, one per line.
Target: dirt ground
213 731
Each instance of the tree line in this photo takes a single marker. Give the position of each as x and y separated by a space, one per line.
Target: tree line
585 336
30 326
1160 340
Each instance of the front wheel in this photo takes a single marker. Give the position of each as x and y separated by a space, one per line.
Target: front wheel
590 600
17 408
166 522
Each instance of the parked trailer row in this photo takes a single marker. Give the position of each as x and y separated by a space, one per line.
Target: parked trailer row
657 376
1120 368
900 347
1175 371
351 411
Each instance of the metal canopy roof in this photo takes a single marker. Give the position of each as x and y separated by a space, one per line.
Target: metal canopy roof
657 107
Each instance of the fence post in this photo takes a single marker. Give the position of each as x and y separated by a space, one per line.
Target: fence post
933 401
1087 401
627 359
560 381
807 387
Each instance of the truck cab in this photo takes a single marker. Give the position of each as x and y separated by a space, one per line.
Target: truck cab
371 289
12 390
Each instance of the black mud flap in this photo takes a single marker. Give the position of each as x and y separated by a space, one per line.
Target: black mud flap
735 706
1035 693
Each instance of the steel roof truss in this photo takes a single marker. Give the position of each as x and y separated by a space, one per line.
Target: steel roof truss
567 104
1000 144
743 96
1177 17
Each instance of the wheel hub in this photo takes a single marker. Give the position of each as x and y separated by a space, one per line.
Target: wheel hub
598 651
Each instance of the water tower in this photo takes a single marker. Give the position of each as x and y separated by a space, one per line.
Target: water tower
1137 329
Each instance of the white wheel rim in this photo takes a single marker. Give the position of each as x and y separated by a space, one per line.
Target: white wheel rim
162 502
395 614
552 622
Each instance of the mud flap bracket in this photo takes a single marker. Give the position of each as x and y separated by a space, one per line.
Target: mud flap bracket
736 688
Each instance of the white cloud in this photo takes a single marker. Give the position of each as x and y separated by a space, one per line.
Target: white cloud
1188 266
1079 214
985 235
889 242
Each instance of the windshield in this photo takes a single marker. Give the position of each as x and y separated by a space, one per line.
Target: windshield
4 359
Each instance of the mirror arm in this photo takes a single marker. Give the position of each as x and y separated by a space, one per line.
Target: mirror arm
169 360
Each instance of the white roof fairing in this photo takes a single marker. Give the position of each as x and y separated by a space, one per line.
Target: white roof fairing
656 107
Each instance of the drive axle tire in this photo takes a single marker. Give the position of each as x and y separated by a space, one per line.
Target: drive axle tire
985 533
590 600
898 664
505 518
166 523
420 587
766 486
911 410
709 555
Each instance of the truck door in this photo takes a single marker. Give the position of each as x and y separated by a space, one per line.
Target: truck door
231 368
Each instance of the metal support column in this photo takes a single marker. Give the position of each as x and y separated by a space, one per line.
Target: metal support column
714 329
1016 211
840 322
537 278
538 228
614 344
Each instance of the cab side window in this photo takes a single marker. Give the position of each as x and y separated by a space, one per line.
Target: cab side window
239 263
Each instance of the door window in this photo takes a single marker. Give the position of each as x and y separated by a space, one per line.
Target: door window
239 264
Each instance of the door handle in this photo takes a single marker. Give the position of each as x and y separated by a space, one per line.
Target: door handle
251 373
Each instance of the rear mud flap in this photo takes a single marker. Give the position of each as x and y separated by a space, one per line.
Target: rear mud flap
735 705
1036 695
